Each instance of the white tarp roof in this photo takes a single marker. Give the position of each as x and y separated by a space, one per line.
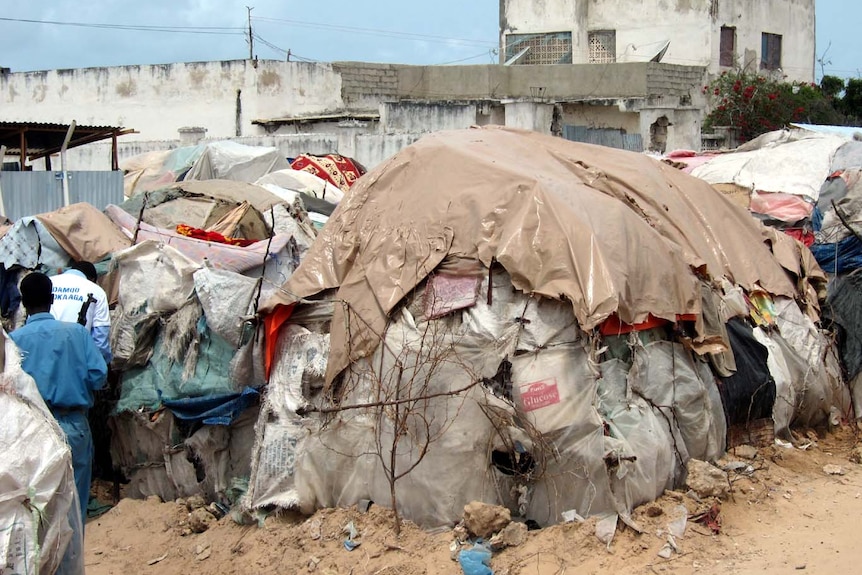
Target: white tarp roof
793 162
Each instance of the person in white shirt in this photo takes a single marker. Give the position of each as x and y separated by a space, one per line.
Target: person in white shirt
73 290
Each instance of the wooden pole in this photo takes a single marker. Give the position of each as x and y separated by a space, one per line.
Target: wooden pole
23 144
115 162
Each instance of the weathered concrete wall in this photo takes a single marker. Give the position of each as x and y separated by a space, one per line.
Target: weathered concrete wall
419 117
530 116
692 26
157 100
499 82
369 149
793 19
601 115
224 98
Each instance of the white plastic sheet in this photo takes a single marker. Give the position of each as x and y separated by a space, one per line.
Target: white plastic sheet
154 277
226 298
36 474
229 160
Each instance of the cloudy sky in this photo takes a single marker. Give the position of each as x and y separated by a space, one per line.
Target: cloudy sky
452 31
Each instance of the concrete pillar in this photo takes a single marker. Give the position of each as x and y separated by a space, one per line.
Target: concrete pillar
191 135
528 115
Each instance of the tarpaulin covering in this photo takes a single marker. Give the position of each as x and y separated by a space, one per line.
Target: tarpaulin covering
84 232
29 244
219 255
790 161
155 170
785 207
229 160
213 409
302 182
845 307
748 394
602 434
838 258
157 454
164 379
203 205
608 230
40 517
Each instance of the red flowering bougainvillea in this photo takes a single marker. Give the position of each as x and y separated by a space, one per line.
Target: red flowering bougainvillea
756 104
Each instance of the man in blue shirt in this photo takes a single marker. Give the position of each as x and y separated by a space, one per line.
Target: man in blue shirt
67 367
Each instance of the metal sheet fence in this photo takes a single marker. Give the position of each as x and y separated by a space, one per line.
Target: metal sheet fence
30 193
610 137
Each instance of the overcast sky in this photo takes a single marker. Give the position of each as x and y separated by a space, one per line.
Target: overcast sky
451 31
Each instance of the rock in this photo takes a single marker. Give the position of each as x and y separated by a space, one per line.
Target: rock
195 502
203 551
654 511
483 520
830 469
745 451
513 535
707 480
676 495
154 499
200 520
856 454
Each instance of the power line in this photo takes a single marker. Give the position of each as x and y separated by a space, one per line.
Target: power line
379 32
227 30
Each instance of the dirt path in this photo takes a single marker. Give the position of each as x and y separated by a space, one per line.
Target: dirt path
789 516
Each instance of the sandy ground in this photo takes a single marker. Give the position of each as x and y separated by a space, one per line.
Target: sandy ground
789 516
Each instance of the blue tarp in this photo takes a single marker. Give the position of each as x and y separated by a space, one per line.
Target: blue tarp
843 257
162 379
213 409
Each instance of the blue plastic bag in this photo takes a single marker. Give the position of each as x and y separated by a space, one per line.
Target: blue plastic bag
476 560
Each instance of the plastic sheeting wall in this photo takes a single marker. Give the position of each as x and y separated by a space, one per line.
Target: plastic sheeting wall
602 435
29 193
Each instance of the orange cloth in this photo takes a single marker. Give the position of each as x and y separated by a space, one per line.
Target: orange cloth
272 323
200 234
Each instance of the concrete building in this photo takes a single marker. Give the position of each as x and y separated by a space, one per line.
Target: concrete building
368 111
763 36
625 73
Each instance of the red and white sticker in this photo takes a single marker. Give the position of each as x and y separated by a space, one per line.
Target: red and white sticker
539 394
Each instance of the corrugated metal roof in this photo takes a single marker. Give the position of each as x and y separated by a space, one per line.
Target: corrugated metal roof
41 138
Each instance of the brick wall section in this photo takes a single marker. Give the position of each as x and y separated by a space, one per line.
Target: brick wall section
360 80
673 80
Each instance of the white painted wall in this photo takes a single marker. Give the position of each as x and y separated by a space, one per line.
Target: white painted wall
793 19
186 94
693 30
529 116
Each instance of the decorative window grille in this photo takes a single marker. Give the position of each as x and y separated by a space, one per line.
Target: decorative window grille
603 46
550 48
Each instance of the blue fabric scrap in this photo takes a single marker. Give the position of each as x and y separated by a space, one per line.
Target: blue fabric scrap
213 409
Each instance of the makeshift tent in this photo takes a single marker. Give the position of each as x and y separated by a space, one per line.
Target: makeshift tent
40 517
155 170
227 160
503 316
183 333
341 171
319 196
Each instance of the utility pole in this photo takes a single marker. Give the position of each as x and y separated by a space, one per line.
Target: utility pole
250 36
